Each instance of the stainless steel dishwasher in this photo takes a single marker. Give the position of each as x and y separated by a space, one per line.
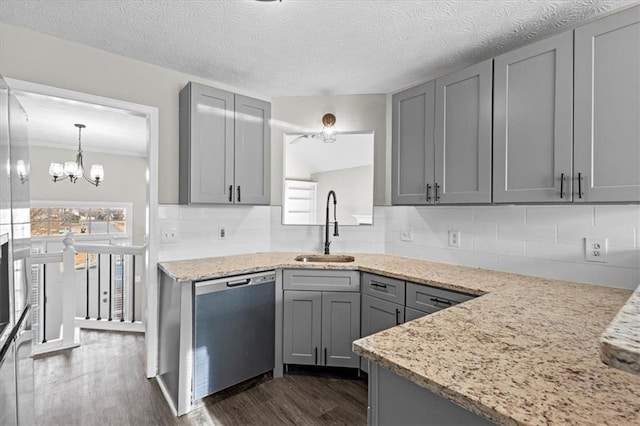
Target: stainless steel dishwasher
234 331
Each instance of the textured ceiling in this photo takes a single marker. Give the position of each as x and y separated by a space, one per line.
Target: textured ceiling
111 130
306 47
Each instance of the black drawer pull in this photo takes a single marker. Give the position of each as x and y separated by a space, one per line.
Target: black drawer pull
378 285
325 356
238 193
231 193
397 316
428 193
316 363
561 185
444 302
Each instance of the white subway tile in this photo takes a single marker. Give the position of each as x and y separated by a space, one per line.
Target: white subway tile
505 247
486 230
499 214
617 216
625 257
526 232
558 215
168 211
617 237
555 251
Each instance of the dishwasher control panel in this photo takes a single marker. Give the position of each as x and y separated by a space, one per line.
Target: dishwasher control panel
264 279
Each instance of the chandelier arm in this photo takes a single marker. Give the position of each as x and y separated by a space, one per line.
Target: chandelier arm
91 181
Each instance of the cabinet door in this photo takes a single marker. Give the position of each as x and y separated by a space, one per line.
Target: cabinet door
252 151
302 322
378 315
206 145
412 145
532 133
607 107
340 327
463 136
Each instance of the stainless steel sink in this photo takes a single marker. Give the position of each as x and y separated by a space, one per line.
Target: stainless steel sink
326 258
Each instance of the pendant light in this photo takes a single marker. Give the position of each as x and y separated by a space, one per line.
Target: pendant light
75 169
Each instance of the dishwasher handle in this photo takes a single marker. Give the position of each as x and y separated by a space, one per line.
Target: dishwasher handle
239 282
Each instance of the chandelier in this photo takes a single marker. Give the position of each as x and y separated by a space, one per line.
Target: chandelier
75 169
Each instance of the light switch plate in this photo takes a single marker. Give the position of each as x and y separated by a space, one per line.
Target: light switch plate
406 234
454 238
169 234
595 249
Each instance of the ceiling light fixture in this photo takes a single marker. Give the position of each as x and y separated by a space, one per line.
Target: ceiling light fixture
73 170
328 131
21 170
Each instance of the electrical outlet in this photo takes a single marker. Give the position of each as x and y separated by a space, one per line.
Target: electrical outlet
406 234
595 249
222 233
169 235
454 239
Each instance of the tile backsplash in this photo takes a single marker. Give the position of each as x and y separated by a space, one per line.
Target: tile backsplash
545 241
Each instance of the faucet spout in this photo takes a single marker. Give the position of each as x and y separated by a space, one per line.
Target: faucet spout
327 243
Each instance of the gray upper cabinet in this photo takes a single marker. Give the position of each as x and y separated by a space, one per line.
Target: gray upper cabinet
340 327
224 147
252 150
463 136
532 133
607 109
412 145
206 144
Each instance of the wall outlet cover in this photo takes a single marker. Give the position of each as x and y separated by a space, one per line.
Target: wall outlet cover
454 238
595 249
406 234
222 233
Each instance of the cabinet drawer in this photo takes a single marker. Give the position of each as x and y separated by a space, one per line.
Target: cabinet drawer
321 280
390 289
431 299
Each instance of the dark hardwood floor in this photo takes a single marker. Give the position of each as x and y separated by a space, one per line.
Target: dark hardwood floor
103 383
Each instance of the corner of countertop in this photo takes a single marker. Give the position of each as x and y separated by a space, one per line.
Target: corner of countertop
620 343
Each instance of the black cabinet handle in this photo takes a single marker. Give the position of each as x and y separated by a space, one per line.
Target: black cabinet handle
561 185
238 193
230 193
444 302
428 193
316 350
437 197
397 316
325 356
579 185
378 285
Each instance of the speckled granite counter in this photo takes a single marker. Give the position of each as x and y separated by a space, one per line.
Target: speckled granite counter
620 343
527 352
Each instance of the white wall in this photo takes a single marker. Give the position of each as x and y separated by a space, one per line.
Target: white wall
125 181
353 113
35 57
353 192
544 241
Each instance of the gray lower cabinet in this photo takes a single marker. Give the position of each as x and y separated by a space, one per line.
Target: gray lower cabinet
320 327
225 145
412 146
410 314
378 315
607 109
463 136
532 133
394 400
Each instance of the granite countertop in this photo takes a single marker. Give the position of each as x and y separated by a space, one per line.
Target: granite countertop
620 343
526 352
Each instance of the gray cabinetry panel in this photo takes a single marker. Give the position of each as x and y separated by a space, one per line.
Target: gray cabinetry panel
302 327
340 327
386 288
394 400
321 280
607 107
412 144
252 151
463 135
410 314
431 299
378 315
532 134
206 144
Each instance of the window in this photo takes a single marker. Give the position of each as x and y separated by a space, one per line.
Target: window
57 220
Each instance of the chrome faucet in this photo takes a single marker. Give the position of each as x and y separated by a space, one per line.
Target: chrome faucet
326 224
